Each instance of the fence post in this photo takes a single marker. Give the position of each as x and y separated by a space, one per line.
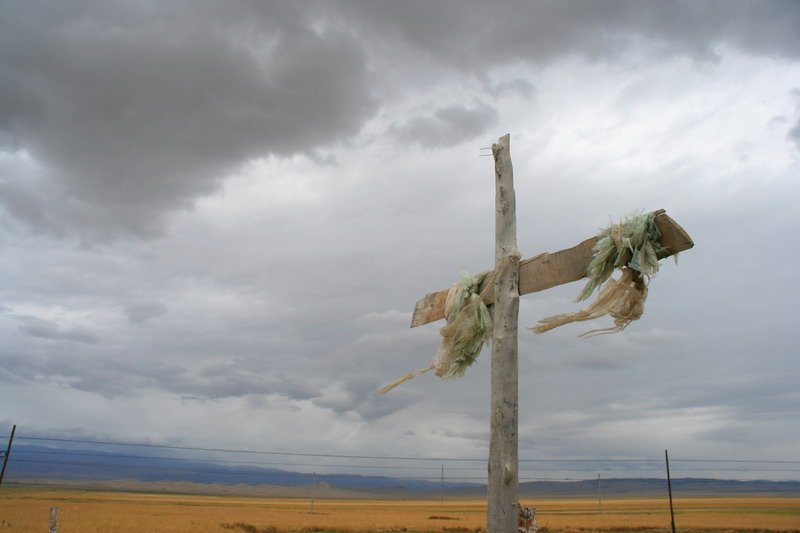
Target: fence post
54 520
669 491
313 491
599 496
7 453
441 486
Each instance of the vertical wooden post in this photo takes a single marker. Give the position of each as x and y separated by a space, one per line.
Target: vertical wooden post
313 491
599 496
442 486
669 491
54 520
7 453
503 512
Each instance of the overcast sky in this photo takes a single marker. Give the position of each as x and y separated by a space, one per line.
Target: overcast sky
216 218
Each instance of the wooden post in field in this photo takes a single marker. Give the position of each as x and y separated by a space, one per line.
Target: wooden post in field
669 492
442 486
599 496
503 509
313 491
510 279
7 453
54 520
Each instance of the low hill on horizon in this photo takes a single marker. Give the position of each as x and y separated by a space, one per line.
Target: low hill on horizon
44 466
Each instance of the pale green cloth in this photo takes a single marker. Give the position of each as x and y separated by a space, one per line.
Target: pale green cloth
468 329
633 247
633 243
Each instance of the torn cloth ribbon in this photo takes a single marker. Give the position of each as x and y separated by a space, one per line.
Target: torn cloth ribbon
632 246
468 328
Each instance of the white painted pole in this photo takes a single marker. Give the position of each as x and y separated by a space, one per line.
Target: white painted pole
503 512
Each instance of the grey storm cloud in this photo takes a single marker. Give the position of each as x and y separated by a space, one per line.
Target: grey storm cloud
140 313
356 395
794 132
46 329
136 110
482 34
22 205
78 370
448 126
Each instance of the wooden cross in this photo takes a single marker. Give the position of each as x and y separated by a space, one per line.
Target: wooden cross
503 287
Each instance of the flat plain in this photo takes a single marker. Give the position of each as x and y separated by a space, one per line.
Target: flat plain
27 510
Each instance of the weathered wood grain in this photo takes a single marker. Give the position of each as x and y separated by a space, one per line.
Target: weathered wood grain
502 509
548 270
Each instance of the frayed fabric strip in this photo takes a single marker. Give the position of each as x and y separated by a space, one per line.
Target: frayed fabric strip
468 329
622 299
631 246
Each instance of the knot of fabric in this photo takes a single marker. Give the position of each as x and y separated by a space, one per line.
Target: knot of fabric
468 328
633 247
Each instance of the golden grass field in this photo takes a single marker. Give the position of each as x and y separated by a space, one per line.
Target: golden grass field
27 510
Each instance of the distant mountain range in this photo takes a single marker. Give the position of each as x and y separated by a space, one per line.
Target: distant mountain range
44 463
38 464
646 487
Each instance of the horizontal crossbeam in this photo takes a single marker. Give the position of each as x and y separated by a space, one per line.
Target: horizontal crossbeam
550 270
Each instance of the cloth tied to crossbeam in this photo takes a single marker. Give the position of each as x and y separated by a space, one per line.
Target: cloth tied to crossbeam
468 329
631 246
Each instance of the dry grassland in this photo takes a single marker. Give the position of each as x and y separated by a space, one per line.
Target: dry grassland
27 510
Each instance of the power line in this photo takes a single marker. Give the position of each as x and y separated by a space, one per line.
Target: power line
228 461
233 472
563 462
250 473
259 452
733 461
57 452
323 455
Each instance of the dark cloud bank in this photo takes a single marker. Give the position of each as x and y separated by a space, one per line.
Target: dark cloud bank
137 110
133 110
